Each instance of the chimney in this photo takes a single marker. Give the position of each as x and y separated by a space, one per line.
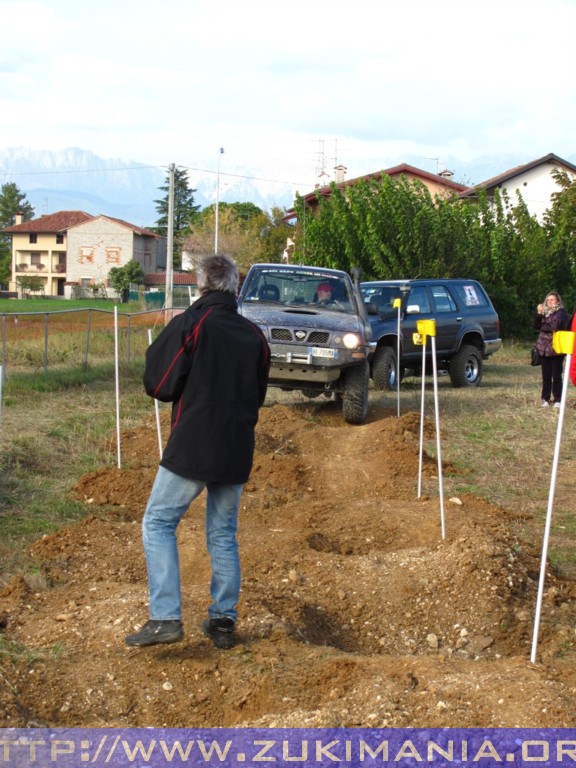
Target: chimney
19 218
340 171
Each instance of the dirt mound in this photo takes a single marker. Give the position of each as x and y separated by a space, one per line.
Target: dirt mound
354 610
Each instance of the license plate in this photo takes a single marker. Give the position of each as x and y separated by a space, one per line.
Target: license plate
322 352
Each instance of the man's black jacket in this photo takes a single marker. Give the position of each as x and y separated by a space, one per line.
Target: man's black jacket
212 364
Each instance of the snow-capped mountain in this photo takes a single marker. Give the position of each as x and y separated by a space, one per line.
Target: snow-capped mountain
77 179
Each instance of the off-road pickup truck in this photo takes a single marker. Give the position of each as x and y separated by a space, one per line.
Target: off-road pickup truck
316 324
467 329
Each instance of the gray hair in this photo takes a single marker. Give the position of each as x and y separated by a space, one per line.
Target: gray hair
217 273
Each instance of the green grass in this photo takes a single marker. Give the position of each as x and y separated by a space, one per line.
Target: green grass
54 429
11 650
24 383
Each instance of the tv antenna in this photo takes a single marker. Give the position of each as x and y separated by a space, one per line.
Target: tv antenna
321 173
437 163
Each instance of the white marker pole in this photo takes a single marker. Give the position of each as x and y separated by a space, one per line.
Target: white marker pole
398 304
428 328
438 445
423 390
156 407
563 342
117 374
1 378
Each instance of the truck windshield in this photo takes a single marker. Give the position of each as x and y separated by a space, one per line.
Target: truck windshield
297 288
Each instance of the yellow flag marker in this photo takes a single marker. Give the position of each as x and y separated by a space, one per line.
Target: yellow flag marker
426 327
563 342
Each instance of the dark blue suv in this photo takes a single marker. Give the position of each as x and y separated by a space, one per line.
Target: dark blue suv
467 328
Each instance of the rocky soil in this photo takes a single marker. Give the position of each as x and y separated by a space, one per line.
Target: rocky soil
355 612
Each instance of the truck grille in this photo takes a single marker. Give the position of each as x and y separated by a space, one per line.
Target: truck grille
286 334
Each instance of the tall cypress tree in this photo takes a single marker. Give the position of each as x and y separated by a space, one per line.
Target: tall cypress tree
184 211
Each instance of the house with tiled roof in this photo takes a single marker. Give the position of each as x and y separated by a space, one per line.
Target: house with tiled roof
73 250
532 181
439 184
103 242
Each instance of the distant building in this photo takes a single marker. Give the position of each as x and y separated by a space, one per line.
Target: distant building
97 245
533 182
72 249
185 290
439 184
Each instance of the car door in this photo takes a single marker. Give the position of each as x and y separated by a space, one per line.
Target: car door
417 307
448 318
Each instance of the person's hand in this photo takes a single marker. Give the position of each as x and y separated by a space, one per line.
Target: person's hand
540 309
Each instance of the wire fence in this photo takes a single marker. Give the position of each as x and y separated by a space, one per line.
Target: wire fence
75 337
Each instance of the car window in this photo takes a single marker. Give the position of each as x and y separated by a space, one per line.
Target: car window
419 297
470 295
442 299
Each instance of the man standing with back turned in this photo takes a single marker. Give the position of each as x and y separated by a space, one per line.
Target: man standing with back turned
212 365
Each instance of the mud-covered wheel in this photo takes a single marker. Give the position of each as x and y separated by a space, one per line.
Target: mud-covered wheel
384 369
355 394
466 367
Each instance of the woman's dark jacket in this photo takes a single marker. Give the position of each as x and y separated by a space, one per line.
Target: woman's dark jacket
556 321
212 364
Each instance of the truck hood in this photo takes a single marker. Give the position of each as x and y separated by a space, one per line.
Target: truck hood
292 317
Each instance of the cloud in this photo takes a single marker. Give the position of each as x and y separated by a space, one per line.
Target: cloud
174 81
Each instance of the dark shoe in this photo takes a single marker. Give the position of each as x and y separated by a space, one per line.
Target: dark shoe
156 632
220 631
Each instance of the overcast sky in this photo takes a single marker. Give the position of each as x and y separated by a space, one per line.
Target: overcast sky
290 89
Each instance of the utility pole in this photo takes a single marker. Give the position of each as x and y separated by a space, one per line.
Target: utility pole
217 201
170 242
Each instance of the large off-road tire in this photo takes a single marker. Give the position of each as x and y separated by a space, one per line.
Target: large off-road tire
466 367
355 394
384 369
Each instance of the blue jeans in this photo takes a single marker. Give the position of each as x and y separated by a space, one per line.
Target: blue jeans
170 497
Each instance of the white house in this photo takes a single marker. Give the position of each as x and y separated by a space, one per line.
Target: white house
533 182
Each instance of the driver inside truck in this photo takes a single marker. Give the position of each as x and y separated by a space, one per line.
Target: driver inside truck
324 293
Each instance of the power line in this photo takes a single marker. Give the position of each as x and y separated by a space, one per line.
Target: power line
82 170
146 167
241 176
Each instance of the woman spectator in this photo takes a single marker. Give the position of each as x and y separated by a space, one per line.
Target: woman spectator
550 317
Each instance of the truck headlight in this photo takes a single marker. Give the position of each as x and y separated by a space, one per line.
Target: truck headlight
351 341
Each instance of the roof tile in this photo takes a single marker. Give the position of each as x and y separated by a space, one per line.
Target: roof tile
52 222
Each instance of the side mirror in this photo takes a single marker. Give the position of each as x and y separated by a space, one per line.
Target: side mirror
372 308
413 309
